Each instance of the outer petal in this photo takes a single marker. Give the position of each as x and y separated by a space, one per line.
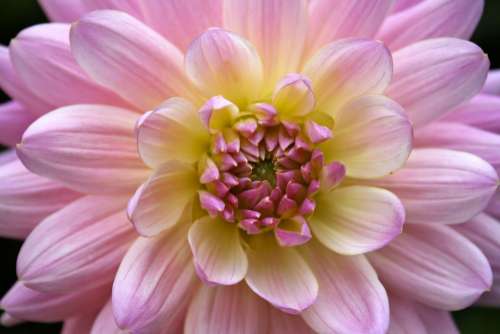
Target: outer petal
24 303
483 111
442 186
86 252
333 20
351 299
413 318
433 76
370 131
159 203
357 219
80 324
283 323
26 199
222 63
42 57
63 10
492 85
172 132
154 283
105 322
432 18
277 28
346 69
12 85
434 265
280 275
456 136
494 205
180 21
123 54
226 310
90 148
14 119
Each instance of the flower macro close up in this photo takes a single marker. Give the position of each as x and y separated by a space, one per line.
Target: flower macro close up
251 166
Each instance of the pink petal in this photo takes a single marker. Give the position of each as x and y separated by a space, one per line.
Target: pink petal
434 265
333 20
42 57
217 250
159 203
401 5
284 323
370 131
433 76
494 205
277 28
108 44
456 136
105 322
442 186
14 119
172 132
90 148
413 318
222 63
154 283
357 219
359 66
11 83
80 324
27 304
180 21
280 275
86 252
482 111
64 10
26 199
492 85
430 19
226 310
351 299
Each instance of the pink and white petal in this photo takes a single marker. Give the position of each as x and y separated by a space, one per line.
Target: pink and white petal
284 323
482 111
280 275
439 186
89 148
357 219
174 131
433 76
347 69
124 55
158 204
370 131
333 20
80 324
434 265
155 282
42 58
105 322
86 252
226 310
430 19
277 28
11 83
413 318
26 199
63 10
220 62
31 305
217 251
461 137
14 119
351 299
492 85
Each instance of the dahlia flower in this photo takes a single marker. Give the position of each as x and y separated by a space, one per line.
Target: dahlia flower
251 166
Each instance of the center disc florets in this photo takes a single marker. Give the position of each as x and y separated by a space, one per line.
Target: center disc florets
262 171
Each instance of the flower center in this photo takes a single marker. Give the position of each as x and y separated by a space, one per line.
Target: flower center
264 170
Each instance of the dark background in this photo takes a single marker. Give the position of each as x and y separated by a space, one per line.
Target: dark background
18 14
